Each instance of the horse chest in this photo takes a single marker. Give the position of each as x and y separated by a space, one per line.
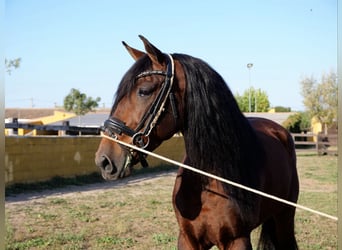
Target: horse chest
207 213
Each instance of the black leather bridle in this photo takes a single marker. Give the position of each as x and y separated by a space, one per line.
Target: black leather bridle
140 135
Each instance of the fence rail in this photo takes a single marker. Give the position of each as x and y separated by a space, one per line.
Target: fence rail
65 127
320 143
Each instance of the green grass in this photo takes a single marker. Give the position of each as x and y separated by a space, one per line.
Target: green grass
139 215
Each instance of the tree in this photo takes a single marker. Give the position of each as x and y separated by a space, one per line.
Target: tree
280 109
259 100
320 98
79 103
10 64
298 122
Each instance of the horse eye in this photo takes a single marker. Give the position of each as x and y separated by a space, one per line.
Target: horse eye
145 91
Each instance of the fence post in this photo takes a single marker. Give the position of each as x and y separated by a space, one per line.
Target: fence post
64 132
317 143
15 130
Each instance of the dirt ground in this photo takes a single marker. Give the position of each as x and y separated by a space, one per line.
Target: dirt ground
137 211
70 191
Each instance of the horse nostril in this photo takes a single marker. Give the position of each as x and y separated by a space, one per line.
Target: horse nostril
104 161
106 164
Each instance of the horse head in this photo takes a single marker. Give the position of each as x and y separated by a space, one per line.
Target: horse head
146 110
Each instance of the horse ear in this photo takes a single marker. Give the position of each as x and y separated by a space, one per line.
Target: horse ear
153 53
136 54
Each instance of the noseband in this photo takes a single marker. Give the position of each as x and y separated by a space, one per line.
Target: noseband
140 136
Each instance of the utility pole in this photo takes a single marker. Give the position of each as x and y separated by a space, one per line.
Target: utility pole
32 104
249 66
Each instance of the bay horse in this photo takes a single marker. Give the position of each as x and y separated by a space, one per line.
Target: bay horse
162 94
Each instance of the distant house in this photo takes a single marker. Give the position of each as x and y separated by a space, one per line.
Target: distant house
52 117
55 115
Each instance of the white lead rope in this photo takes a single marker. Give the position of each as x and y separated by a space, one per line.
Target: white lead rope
221 179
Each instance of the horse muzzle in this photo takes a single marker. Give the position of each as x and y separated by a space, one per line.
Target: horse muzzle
111 171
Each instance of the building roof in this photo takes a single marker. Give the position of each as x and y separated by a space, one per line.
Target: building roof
276 117
87 120
33 113
93 119
28 113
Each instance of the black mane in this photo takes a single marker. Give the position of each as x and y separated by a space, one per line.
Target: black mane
218 137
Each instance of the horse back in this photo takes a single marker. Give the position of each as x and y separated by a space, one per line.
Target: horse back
273 130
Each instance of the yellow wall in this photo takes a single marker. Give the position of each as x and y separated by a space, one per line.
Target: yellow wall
316 126
39 158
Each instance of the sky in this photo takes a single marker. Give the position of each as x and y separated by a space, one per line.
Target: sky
66 44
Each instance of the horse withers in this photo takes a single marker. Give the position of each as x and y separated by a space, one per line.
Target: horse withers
163 94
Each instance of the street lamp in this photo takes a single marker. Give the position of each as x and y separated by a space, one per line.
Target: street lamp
249 66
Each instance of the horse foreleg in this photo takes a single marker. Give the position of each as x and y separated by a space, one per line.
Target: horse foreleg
185 242
243 243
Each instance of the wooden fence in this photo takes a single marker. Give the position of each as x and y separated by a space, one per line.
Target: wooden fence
319 143
64 129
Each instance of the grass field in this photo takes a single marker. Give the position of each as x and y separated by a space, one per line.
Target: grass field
137 213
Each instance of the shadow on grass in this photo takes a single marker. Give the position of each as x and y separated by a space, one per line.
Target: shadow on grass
82 180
